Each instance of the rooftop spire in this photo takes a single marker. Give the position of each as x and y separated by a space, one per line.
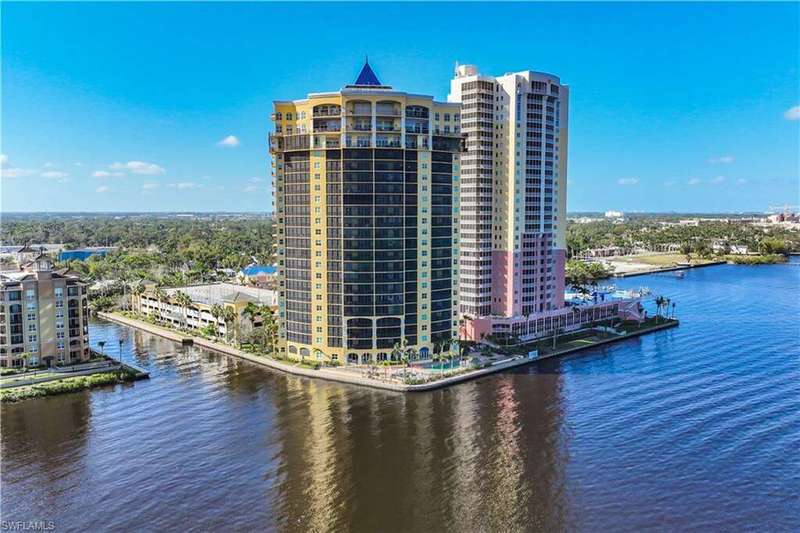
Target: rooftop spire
367 76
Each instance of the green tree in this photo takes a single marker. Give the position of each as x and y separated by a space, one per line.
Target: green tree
184 301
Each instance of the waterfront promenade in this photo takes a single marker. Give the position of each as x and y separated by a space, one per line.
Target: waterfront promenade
361 376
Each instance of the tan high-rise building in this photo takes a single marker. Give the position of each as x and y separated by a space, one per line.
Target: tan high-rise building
513 198
43 314
366 184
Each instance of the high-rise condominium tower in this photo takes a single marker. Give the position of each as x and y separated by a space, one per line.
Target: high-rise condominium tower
513 196
366 201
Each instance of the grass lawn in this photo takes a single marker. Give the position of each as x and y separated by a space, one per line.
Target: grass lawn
26 376
659 259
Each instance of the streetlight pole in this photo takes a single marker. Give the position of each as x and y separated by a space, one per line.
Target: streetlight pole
121 341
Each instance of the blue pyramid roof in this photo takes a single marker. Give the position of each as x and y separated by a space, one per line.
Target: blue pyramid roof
367 76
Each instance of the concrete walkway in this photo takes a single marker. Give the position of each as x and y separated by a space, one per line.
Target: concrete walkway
342 376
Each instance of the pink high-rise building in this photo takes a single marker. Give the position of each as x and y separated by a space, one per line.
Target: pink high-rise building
513 200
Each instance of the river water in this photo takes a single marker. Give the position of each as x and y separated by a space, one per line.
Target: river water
693 428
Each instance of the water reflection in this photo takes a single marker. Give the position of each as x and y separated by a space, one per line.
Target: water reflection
637 435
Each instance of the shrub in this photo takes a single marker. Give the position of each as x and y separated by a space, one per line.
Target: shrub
62 386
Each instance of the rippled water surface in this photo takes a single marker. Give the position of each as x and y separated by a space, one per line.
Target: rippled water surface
694 428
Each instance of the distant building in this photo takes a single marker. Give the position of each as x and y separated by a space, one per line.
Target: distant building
83 254
43 313
198 315
262 276
614 214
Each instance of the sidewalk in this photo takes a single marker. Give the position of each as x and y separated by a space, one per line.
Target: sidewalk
343 376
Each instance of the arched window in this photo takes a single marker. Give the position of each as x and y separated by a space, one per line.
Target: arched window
388 322
359 107
359 323
292 349
382 356
387 108
327 110
304 352
352 358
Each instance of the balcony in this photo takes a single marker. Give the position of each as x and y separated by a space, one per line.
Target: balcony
328 129
327 111
416 113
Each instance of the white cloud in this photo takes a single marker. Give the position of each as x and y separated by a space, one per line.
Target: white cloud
106 174
54 174
793 113
231 141
49 165
718 180
7 171
184 185
138 167
256 179
150 186
694 181
102 188
723 159
628 181
10 172
669 183
254 188
741 181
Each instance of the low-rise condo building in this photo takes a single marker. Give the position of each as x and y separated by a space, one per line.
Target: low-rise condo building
366 184
44 316
202 306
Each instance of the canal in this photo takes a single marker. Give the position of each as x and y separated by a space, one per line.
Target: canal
695 428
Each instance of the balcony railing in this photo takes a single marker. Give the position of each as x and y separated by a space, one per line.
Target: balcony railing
327 112
416 114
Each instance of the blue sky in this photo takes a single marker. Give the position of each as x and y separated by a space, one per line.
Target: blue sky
120 107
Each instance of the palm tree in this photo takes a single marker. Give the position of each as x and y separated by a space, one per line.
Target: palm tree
660 302
184 300
25 356
250 312
162 296
136 295
216 311
229 317
270 326
397 353
673 309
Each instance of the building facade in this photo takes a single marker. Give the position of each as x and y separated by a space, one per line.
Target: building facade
44 317
204 302
366 184
513 197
